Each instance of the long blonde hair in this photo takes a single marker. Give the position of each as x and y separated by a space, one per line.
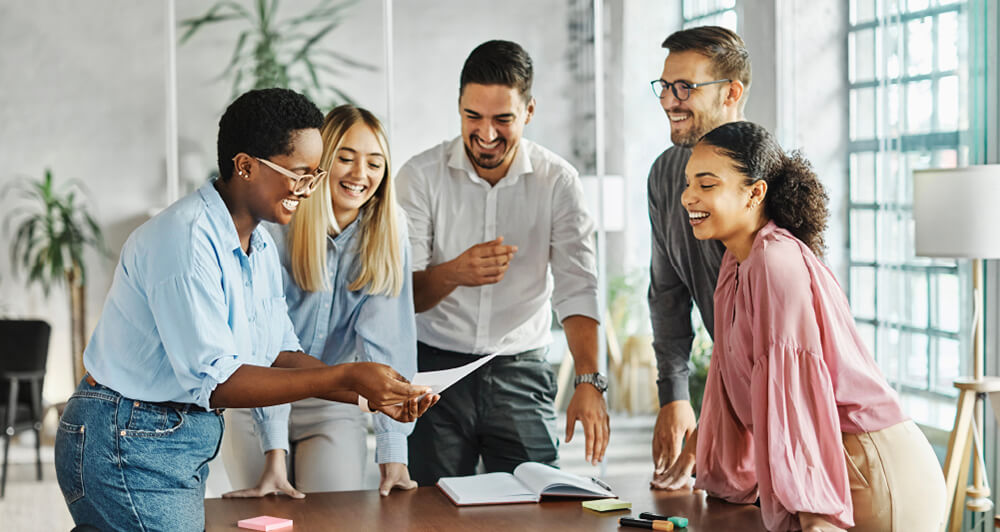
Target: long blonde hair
381 270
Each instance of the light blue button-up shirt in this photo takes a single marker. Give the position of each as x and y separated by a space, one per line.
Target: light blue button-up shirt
341 325
188 306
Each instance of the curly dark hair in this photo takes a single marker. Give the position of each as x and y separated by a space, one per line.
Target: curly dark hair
795 199
261 122
498 63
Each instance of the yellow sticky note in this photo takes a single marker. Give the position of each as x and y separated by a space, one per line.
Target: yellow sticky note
607 505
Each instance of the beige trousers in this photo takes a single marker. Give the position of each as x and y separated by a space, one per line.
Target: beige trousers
328 447
896 480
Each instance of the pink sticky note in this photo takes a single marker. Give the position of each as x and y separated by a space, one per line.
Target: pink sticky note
265 522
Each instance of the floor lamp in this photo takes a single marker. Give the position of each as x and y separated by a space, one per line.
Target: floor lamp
956 215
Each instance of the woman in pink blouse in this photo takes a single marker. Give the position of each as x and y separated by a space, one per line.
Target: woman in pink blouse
796 411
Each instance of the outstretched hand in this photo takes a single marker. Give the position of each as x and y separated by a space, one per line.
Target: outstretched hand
588 406
675 422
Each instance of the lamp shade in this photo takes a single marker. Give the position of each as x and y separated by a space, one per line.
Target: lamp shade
956 212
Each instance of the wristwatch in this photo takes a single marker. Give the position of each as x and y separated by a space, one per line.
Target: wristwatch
599 381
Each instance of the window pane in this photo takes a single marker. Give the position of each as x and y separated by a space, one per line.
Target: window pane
919 46
949 357
947 101
862 235
893 45
889 359
891 295
867 333
893 232
862 113
891 170
917 5
914 349
946 302
863 292
918 112
863 177
862 11
861 53
917 310
947 50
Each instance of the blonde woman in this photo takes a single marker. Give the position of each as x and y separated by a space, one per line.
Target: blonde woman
346 264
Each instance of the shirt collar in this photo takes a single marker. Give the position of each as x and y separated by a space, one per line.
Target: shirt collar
521 164
348 232
222 220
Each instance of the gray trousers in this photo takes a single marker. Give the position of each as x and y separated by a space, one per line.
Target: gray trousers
502 413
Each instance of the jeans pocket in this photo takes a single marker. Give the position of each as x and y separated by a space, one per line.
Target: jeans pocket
69 460
152 421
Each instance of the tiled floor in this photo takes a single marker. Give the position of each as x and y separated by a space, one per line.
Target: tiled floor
31 505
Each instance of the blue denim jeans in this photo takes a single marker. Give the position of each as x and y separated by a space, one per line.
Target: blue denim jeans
130 465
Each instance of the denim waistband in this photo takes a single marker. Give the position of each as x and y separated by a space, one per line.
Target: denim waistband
91 388
535 354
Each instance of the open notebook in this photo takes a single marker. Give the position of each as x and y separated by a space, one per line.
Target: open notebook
529 483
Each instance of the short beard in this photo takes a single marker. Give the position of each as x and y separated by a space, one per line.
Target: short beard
486 165
703 125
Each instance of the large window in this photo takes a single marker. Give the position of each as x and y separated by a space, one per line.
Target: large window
908 110
710 13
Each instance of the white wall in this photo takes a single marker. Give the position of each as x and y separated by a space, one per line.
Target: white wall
84 97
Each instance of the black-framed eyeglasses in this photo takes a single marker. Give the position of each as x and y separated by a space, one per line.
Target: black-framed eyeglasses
681 89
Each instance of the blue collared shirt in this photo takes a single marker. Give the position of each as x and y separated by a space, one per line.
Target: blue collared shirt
188 306
341 325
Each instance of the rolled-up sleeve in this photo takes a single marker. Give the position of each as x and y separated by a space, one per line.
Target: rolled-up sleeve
413 198
190 313
573 263
669 310
387 333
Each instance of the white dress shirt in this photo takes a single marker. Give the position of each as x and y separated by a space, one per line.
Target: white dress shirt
538 207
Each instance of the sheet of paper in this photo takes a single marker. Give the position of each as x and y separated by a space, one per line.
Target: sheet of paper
440 380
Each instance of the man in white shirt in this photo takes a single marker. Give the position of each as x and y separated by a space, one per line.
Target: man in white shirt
500 234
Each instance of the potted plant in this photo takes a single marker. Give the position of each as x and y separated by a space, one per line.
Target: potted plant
282 53
636 373
52 229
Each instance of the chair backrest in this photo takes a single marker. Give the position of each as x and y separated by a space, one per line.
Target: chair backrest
24 346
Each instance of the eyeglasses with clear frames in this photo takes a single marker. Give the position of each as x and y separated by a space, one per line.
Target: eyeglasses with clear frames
304 184
681 89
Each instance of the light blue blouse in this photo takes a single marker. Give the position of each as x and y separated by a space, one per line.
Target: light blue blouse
188 306
339 326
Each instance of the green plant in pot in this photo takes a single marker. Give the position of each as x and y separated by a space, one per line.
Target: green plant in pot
52 229
285 53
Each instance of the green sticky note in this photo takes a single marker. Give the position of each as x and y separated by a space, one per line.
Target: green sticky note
607 505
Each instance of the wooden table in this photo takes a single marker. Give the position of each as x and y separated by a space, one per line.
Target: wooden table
429 509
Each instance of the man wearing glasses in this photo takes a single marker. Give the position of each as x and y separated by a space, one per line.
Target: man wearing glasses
705 78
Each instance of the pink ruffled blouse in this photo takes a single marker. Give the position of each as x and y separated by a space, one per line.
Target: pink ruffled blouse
789 374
